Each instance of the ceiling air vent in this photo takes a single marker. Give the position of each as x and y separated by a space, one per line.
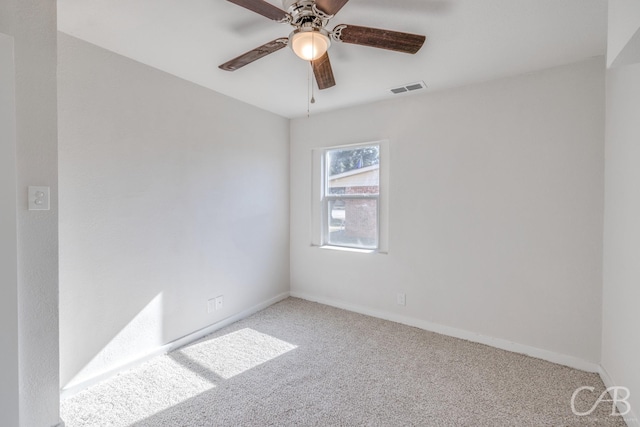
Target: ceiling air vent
410 87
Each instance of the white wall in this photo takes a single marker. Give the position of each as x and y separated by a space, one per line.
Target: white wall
621 316
621 265
32 24
496 210
623 38
170 194
9 386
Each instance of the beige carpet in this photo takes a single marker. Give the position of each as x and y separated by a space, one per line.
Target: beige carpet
306 364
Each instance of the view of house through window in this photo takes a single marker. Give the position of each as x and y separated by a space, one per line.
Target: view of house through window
351 197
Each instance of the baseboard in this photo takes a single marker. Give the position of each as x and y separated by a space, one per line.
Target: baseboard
74 388
550 356
631 418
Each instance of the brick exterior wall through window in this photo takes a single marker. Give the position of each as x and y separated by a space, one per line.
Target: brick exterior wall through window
361 215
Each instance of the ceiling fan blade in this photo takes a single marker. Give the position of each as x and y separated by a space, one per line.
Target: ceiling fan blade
330 7
255 54
263 8
323 72
384 39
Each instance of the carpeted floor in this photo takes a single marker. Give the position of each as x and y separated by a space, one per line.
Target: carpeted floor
306 364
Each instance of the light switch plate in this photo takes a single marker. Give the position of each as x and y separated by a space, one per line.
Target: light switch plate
39 198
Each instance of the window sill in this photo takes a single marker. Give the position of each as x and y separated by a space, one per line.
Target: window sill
346 249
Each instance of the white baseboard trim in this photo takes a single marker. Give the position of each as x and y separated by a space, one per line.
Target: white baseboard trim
74 388
550 356
631 418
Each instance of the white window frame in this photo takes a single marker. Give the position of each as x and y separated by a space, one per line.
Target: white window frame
320 200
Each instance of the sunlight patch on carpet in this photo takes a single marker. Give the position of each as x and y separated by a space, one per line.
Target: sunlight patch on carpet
157 386
171 380
234 353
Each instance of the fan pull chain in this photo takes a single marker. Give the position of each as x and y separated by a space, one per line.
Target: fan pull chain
309 92
313 55
313 98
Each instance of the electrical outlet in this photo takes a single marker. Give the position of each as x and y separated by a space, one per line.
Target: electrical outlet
401 299
211 305
39 198
219 302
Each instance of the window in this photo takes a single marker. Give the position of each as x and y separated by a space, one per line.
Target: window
351 197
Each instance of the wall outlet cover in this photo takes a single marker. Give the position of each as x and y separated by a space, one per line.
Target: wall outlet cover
39 198
401 299
211 305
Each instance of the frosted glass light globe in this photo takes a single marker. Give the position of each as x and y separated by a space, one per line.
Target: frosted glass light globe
309 44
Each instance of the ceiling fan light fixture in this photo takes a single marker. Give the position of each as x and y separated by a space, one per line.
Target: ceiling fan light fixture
309 43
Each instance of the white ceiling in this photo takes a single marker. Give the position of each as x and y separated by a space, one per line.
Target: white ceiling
467 41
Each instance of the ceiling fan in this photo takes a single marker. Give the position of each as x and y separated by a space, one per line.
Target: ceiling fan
310 38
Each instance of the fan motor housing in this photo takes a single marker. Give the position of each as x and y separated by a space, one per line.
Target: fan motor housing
304 13
286 4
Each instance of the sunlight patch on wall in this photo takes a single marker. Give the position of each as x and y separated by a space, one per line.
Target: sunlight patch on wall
143 332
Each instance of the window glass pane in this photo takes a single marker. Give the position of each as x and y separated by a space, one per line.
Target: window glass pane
353 223
353 170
